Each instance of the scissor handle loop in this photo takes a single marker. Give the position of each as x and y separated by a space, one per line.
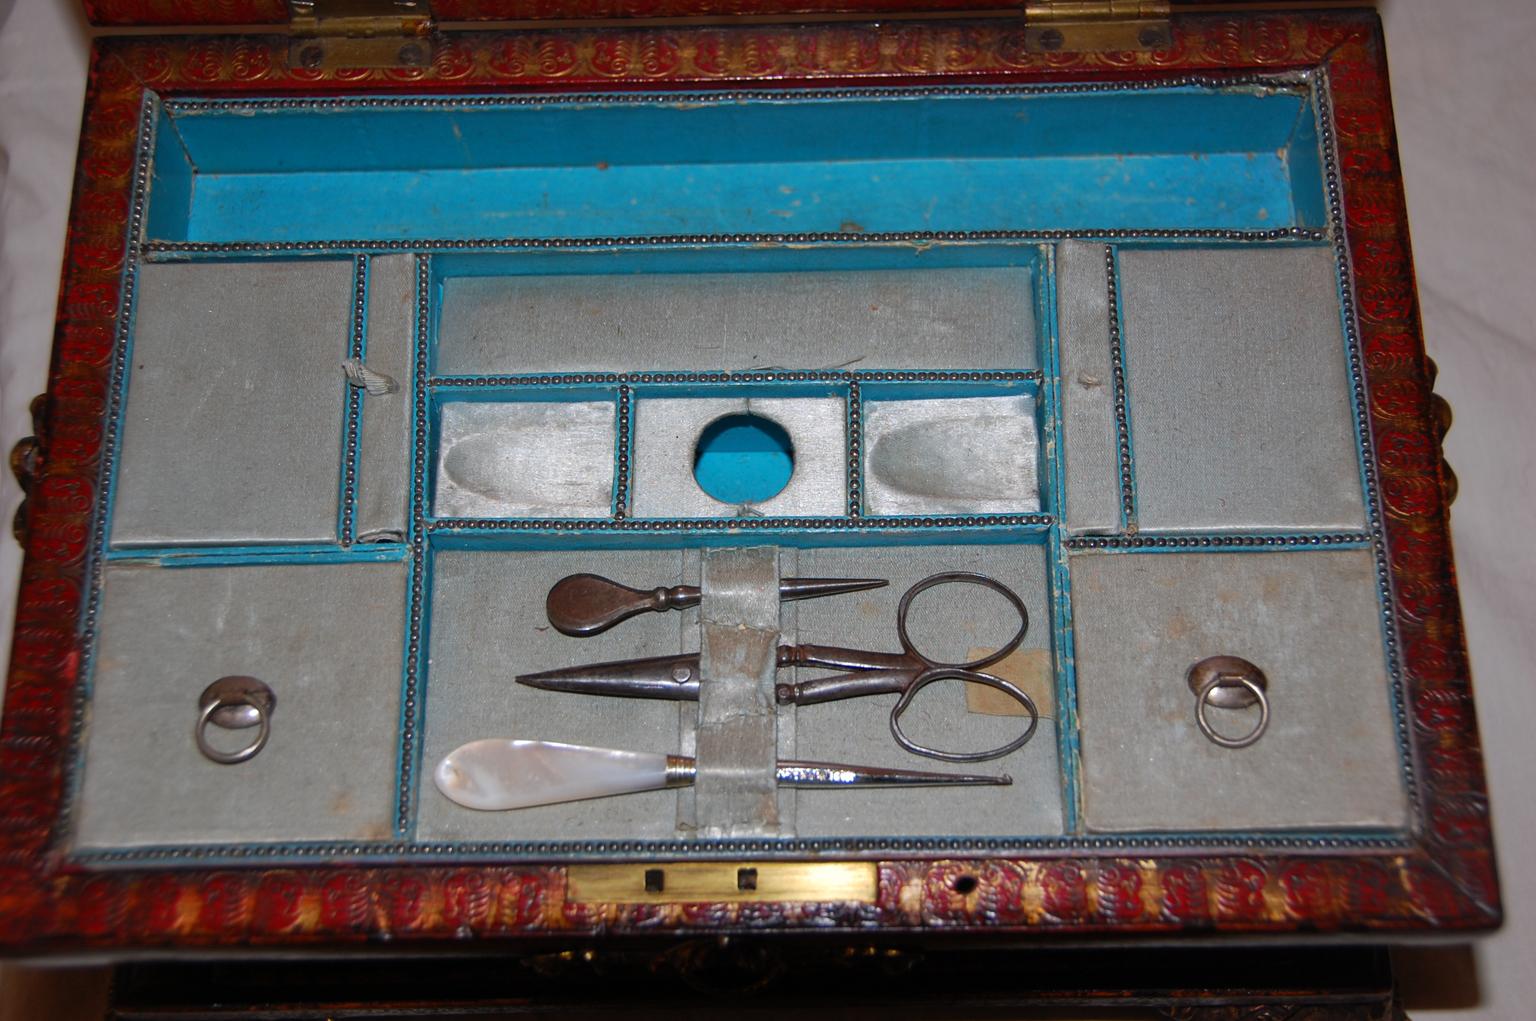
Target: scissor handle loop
968 578
945 673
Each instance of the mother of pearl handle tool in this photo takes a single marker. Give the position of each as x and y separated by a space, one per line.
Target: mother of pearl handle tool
582 605
503 773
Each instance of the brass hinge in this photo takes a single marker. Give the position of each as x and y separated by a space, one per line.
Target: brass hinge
1096 26
360 33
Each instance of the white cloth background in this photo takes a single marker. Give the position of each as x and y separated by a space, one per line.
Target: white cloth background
1464 78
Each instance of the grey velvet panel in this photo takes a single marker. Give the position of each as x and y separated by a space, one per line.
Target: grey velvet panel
953 620
967 455
1309 620
489 625
532 459
1091 455
735 791
1239 390
326 638
232 431
384 464
667 431
978 318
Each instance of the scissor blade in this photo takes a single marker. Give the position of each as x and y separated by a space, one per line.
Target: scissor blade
669 677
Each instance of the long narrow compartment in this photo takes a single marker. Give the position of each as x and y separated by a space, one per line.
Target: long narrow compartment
1240 156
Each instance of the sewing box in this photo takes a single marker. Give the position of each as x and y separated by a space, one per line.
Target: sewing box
380 318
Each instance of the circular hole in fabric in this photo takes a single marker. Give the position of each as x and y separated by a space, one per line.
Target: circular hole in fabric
743 458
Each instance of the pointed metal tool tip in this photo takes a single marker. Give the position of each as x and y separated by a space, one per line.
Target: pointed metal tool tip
815 588
984 780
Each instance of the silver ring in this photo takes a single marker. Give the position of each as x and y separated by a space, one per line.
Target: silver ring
1203 700
238 703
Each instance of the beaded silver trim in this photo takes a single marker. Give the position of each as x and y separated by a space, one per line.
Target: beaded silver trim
902 237
855 485
415 654
546 852
356 352
1216 540
623 379
1122 408
450 526
626 440
1277 81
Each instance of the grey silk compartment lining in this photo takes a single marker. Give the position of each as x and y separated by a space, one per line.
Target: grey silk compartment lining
326 638
489 625
525 459
922 318
1182 355
1309 620
232 430
966 455
1091 461
383 470
667 430
1239 391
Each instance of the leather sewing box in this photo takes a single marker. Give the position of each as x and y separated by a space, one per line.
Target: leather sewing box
378 319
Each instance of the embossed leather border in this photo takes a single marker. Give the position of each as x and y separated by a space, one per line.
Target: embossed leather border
1447 882
261 12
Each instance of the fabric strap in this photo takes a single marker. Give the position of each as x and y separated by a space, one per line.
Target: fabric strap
735 793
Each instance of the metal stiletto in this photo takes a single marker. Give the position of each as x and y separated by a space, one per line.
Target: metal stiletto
583 605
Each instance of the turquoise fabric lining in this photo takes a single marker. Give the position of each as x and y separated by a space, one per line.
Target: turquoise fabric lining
1170 158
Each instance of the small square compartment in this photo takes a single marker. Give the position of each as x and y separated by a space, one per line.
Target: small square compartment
1237 378
328 639
957 454
232 431
793 461
537 459
1310 620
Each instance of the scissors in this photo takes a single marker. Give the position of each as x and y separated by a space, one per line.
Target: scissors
904 673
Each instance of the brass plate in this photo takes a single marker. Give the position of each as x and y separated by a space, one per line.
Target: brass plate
1098 36
722 882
